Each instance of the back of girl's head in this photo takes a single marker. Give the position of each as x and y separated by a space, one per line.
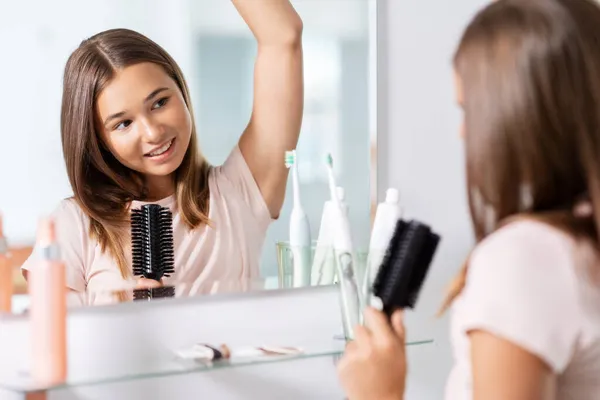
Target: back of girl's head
102 186
529 73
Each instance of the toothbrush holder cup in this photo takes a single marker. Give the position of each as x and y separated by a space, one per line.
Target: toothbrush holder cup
322 268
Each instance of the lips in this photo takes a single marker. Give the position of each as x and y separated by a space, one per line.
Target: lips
157 151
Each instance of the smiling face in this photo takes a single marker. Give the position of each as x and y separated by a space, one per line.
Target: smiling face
145 123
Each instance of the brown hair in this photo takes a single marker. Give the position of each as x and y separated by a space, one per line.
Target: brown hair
529 71
102 186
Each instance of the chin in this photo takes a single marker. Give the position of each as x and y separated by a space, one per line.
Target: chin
163 170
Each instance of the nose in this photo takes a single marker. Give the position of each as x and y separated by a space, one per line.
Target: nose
153 132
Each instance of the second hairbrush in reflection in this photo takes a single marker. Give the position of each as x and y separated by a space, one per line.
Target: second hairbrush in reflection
152 242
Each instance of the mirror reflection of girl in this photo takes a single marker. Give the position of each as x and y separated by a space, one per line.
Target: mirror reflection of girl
129 138
526 306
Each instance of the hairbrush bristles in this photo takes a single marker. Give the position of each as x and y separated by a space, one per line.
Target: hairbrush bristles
142 294
163 292
405 265
152 242
154 293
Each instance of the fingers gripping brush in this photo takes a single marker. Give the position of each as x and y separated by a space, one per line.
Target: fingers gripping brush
405 266
152 242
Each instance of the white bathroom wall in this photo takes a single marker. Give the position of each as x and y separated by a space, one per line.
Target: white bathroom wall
421 154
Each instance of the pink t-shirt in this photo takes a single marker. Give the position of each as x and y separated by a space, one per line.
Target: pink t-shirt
528 283
205 258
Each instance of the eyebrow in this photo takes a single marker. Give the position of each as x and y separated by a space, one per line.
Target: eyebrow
151 96
154 93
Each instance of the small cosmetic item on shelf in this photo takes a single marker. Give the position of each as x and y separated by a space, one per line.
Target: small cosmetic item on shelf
206 352
48 309
6 274
300 238
152 242
278 350
405 265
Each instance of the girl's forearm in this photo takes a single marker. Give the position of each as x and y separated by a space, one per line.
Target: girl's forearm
271 21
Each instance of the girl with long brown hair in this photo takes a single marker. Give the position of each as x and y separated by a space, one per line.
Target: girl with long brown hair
129 138
526 304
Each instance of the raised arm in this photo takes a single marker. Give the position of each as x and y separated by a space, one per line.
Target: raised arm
276 118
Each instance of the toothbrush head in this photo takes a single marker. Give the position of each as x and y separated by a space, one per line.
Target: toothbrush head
329 160
290 158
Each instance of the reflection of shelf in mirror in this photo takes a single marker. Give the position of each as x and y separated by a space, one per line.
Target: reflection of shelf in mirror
129 291
170 366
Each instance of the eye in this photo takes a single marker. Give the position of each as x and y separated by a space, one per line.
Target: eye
123 125
160 103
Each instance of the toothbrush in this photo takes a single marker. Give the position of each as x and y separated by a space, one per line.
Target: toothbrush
342 245
300 240
323 267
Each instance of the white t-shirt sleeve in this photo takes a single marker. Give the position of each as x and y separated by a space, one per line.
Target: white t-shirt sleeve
237 173
521 286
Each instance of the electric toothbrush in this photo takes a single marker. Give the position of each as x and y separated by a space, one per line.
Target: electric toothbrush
323 267
300 240
342 246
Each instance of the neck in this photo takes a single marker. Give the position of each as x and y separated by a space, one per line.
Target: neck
159 187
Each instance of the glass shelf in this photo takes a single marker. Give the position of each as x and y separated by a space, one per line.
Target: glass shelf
170 366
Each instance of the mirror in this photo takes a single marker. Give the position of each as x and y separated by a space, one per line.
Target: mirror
216 52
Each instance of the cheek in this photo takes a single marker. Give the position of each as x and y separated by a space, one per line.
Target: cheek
124 148
183 120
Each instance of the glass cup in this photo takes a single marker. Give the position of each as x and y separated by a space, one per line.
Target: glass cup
322 269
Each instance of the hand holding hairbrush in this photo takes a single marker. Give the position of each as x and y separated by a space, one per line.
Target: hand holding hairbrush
405 266
152 242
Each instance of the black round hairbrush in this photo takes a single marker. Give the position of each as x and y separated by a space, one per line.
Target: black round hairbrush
152 242
405 266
